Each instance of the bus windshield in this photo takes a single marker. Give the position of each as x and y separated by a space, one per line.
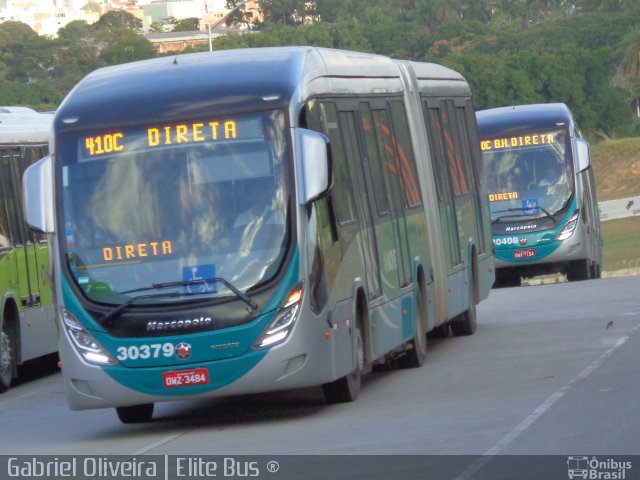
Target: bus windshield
527 175
173 204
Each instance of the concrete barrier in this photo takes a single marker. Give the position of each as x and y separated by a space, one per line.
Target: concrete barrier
620 208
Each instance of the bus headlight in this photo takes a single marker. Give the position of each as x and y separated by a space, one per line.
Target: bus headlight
283 321
83 341
569 227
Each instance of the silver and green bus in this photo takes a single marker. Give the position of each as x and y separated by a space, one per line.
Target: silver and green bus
259 219
28 328
541 193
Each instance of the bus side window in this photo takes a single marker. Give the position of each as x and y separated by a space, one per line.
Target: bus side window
5 241
315 120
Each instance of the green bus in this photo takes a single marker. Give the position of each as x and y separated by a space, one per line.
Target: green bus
26 315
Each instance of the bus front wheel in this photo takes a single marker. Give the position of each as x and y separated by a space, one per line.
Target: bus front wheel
347 388
579 270
135 413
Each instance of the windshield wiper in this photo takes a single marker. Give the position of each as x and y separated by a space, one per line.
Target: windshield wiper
521 209
181 283
104 319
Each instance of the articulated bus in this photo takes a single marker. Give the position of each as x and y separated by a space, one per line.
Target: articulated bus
541 192
259 219
28 328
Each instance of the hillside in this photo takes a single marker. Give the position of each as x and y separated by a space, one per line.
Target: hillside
616 167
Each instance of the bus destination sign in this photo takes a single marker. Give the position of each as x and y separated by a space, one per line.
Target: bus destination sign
531 140
123 141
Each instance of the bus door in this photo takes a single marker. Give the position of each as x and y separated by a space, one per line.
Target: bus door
36 244
353 217
381 178
26 256
392 170
362 195
441 145
452 191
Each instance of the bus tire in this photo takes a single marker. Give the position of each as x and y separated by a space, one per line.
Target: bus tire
6 359
578 270
416 355
507 278
347 388
135 413
465 323
441 331
595 271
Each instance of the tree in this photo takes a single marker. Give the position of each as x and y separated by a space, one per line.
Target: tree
24 55
76 52
155 27
127 47
184 24
119 19
285 12
628 75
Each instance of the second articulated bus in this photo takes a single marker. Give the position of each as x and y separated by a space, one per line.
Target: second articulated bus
207 244
541 193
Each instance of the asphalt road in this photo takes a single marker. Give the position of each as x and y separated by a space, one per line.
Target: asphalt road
551 370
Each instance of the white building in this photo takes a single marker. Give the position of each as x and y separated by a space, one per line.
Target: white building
46 17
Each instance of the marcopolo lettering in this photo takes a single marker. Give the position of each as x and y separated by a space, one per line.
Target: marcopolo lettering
201 322
519 228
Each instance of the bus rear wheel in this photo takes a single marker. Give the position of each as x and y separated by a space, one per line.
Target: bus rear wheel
347 388
6 360
465 323
416 355
135 413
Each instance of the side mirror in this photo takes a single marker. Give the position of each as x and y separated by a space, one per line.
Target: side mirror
313 165
583 157
37 187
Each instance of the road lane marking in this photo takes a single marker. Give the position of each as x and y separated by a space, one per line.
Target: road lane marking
159 443
523 426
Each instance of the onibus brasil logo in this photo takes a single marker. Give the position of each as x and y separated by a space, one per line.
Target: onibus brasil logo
596 469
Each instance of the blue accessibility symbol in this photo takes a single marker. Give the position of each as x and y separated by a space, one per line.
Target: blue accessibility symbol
199 278
530 207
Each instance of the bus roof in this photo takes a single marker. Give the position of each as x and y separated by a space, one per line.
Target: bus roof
23 126
216 81
434 79
523 118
